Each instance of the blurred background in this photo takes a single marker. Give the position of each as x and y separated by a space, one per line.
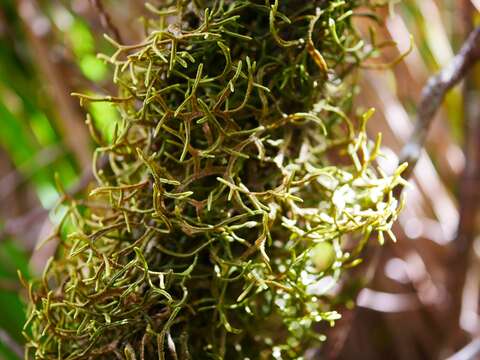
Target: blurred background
422 293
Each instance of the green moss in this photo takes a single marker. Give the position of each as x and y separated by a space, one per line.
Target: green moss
233 158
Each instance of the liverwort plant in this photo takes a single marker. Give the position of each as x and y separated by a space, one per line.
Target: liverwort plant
236 181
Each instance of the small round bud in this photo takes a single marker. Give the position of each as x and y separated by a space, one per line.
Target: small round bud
322 256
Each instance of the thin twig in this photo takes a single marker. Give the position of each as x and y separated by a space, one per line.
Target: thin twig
68 116
432 97
15 226
434 93
106 21
10 343
461 255
469 352
16 177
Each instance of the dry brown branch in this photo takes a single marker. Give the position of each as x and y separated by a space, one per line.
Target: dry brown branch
68 117
432 97
106 20
10 343
433 94
15 226
469 352
469 197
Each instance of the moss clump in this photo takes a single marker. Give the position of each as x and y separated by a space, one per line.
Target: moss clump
234 158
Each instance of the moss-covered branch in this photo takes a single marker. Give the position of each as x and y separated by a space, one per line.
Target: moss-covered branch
237 190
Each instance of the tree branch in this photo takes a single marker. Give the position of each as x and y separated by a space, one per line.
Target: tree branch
10 343
432 97
434 93
461 256
106 21
469 352
14 226
68 115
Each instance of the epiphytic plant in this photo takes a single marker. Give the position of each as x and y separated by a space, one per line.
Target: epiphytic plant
234 187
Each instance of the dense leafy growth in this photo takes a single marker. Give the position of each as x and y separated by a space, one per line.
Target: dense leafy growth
234 192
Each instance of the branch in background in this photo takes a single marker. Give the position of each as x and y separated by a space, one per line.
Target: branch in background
16 177
469 192
432 97
15 226
106 21
68 117
434 93
11 344
462 251
469 352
